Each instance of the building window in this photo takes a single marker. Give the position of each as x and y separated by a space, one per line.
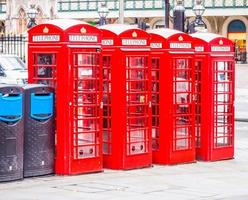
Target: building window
237 33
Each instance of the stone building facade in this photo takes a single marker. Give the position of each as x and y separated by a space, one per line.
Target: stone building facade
16 18
225 17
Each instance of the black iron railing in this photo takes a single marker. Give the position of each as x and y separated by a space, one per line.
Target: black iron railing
14 44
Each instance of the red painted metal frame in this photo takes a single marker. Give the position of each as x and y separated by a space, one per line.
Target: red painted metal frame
117 138
208 139
168 121
71 39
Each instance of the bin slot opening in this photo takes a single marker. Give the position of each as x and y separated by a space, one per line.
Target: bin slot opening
42 94
10 95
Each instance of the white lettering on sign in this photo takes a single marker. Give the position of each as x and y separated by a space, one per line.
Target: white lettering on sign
175 45
220 48
107 42
46 38
82 38
134 42
199 48
156 45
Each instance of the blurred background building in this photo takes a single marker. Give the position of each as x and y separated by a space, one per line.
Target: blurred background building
226 17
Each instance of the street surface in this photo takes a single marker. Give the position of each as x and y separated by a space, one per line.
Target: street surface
241 98
224 180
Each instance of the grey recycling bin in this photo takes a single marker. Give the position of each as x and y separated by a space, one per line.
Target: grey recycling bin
39 135
11 132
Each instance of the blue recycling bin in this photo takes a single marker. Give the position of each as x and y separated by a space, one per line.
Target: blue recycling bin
39 135
11 132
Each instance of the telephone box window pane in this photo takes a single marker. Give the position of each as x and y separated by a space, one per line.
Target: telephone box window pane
86 60
45 59
44 66
44 72
136 62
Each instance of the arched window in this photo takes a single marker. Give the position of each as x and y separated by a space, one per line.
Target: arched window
22 22
236 26
158 24
237 33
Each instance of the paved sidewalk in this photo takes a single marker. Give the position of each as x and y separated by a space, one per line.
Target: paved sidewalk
241 98
224 180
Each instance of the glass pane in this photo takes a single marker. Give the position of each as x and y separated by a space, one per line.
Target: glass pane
44 68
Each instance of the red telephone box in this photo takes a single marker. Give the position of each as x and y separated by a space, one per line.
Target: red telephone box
126 97
66 55
214 63
172 58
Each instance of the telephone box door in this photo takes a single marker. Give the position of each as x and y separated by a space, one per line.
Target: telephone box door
223 106
44 66
86 111
183 109
138 139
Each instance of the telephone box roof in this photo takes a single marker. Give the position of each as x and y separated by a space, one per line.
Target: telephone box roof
65 23
164 32
207 37
117 28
